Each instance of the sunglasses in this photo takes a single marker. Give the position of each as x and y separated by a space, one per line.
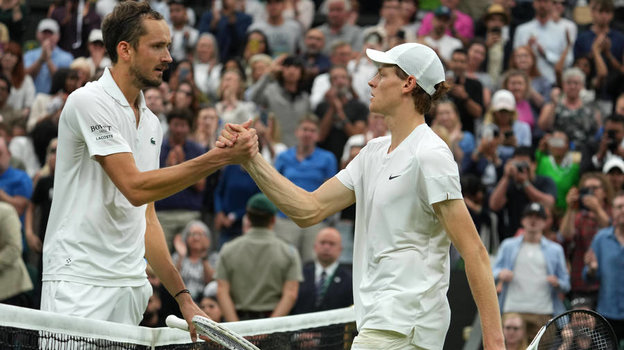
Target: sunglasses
512 328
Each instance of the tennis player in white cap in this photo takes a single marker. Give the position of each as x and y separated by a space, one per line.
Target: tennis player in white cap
409 208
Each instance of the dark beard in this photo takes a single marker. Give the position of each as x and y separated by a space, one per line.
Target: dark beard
141 81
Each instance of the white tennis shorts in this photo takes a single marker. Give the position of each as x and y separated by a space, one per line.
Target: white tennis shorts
116 304
375 339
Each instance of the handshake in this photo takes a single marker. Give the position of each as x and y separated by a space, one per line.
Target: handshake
238 142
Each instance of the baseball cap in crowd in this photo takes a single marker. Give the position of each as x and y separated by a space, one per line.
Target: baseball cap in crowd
496 9
96 35
442 11
48 24
414 59
259 203
534 208
503 100
613 163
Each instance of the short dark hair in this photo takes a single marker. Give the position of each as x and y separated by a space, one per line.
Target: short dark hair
125 23
259 219
181 113
422 100
615 118
524 151
460 50
602 5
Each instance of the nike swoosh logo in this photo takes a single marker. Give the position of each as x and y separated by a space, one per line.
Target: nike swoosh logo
393 177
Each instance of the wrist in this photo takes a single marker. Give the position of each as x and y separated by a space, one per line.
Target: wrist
183 296
526 183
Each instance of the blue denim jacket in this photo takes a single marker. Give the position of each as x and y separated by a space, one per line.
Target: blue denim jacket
555 265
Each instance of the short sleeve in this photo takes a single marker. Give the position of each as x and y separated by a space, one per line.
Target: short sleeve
221 269
294 270
440 174
349 175
90 122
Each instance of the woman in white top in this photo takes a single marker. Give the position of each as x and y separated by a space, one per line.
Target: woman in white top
231 108
206 65
22 93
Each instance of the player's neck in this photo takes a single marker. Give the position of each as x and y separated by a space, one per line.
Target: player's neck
124 81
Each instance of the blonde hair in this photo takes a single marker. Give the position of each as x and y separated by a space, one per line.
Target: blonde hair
509 315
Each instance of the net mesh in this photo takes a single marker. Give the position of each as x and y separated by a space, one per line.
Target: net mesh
23 329
578 330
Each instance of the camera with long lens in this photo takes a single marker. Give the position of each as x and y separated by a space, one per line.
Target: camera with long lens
522 166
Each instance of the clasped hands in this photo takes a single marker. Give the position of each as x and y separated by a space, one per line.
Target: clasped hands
241 141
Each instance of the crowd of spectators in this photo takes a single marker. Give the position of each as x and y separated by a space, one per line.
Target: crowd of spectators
534 119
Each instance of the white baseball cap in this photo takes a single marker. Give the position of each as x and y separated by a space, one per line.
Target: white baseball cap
95 35
48 24
613 163
503 99
414 59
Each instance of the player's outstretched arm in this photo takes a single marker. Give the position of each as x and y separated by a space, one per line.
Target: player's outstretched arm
145 187
461 230
303 207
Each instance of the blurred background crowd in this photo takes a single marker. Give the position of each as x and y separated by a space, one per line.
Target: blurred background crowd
534 119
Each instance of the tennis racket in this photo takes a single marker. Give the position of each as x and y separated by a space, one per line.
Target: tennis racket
211 329
575 330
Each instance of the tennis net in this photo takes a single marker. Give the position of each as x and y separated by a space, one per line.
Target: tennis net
23 329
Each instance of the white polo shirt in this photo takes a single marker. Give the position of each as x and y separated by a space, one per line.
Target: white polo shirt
94 234
401 251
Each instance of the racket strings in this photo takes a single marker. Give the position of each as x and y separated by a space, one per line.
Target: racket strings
578 331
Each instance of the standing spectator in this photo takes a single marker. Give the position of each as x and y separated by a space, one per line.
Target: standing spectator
281 91
7 112
76 19
376 127
587 212
497 38
14 279
205 133
98 59
608 146
192 258
175 211
255 43
466 93
12 15
475 68
41 63
156 103
314 60
22 86
327 284
524 59
342 114
555 160
518 83
246 292
15 185
518 187
234 188
231 107
462 142
409 16
307 166
228 25
614 171
438 39
579 119
460 25
531 272
602 264
206 66
283 34
504 115
548 40
338 28
183 36
341 54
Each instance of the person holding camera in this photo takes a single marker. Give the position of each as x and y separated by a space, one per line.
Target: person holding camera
518 187
467 93
587 212
609 146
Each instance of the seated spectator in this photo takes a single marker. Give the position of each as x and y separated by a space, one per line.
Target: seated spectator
41 63
151 316
192 258
409 16
486 161
314 60
8 114
474 194
609 145
175 211
14 279
461 27
156 103
376 127
15 185
587 212
283 34
210 306
281 92
466 93
256 43
337 28
497 37
206 130
228 25
361 68
555 160
340 55
301 11
257 66
231 107
462 143
614 171
504 114
514 330
523 58
183 35
326 283
602 265
74 30
206 66
246 292
269 137
438 38
22 86
531 271
98 58
475 67
185 93
518 83
518 187
579 119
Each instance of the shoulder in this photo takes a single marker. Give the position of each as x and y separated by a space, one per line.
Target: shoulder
603 234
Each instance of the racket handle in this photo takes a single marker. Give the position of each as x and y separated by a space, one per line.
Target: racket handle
173 321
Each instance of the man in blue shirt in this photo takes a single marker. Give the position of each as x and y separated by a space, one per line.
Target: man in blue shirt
15 185
175 211
42 62
228 25
604 262
307 166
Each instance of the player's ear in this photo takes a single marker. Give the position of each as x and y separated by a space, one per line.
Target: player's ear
123 50
409 84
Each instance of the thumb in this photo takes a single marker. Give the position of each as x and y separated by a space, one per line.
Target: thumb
247 124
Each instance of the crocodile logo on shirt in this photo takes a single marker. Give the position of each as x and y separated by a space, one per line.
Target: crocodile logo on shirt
152 141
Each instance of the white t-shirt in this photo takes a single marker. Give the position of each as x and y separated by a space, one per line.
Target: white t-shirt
445 45
94 234
401 251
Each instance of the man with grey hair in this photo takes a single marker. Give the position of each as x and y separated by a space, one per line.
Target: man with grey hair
337 27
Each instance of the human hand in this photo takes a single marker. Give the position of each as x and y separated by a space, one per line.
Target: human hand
553 280
34 242
505 275
228 138
590 260
180 245
572 198
591 202
190 309
246 146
